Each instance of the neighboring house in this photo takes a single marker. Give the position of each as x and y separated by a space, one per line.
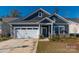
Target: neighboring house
3 28
40 22
4 25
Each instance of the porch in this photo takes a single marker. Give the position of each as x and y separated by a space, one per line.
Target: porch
47 30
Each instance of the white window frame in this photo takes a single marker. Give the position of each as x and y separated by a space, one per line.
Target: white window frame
39 14
58 28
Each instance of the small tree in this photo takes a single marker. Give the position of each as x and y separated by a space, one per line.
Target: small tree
0 19
15 13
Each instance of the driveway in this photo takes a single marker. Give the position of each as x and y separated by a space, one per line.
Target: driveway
18 46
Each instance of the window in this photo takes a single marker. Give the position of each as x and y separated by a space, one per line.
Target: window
23 28
17 28
35 28
54 19
39 14
59 30
29 28
62 30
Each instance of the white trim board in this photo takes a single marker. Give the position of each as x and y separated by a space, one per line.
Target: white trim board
51 21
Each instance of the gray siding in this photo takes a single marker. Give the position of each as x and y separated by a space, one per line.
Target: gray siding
57 19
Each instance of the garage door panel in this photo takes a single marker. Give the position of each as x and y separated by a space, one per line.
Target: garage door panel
32 33
20 34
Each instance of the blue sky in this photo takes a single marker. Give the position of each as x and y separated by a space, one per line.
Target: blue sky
65 11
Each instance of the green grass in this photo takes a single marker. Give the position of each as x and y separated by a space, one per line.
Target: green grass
57 46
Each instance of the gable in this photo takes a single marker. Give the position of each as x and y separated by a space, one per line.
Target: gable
58 19
33 17
46 20
35 14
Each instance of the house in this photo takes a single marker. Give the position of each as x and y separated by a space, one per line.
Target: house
40 22
4 25
3 28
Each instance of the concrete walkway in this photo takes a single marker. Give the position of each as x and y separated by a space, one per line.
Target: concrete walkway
18 46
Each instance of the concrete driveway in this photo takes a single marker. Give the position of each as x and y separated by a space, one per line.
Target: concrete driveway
18 46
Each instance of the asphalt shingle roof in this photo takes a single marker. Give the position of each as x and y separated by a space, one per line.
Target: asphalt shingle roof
9 19
73 19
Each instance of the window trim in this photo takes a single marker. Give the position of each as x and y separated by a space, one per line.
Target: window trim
59 28
39 14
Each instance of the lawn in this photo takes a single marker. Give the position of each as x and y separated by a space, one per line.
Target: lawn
71 45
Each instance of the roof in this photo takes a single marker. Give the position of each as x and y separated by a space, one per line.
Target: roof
33 17
9 19
58 19
40 9
73 19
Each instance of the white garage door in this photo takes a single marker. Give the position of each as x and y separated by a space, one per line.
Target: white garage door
24 33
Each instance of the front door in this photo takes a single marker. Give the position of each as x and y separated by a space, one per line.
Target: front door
45 31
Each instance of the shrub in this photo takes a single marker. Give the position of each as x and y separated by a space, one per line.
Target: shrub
2 38
54 38
61 37
41 37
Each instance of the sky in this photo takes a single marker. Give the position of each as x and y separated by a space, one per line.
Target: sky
65 11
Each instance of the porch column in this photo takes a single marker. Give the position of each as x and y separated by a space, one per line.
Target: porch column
39 30
14 32
51 29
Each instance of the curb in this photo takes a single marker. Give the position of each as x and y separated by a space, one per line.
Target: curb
35 47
